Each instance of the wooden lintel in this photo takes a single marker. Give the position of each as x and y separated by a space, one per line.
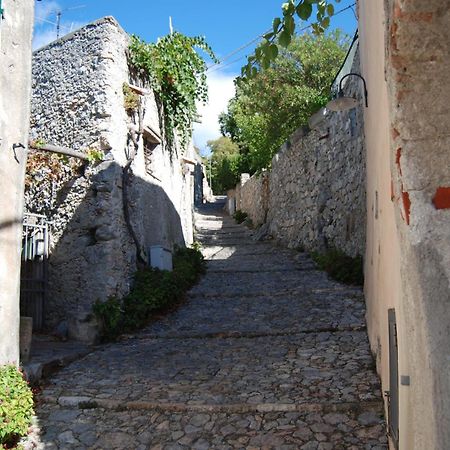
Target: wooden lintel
139 90
188 161
152 135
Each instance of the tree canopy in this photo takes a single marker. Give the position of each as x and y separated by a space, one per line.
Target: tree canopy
226 164
268 107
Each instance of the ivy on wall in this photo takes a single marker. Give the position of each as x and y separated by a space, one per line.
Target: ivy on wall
177 75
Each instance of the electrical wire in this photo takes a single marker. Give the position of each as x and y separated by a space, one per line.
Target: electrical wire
220 64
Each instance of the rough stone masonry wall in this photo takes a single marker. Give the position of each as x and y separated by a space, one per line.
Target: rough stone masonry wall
78 102
316 186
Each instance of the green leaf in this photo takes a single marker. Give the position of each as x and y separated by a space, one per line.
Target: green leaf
276 24
268 35
273 51
304 11
288 8
284 39
325 23
289 24
330 9
265 63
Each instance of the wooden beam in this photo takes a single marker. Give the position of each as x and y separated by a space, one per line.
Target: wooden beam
139 90
60 150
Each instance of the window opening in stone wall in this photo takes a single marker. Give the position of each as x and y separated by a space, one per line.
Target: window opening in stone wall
151 141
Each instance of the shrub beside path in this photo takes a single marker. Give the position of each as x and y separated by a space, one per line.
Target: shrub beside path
266 353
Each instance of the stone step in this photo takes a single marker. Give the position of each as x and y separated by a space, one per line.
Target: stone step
254 316
297 369
141 426
279 282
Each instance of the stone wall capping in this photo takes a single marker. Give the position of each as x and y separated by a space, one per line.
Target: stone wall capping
107 19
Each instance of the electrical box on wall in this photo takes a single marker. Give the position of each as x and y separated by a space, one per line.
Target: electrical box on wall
160 258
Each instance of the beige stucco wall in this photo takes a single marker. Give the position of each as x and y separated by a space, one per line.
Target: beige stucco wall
405 52
382 258
15 76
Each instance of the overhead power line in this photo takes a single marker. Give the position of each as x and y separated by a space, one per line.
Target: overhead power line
220 65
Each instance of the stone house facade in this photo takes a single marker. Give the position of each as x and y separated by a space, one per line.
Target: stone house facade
104 217
16 26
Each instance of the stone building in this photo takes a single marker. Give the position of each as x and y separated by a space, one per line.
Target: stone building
104 217
16 25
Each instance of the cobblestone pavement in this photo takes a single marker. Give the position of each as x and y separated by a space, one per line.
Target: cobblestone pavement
267 353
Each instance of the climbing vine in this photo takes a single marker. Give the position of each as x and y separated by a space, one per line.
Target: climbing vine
177 75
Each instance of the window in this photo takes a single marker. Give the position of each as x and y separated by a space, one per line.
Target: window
151 141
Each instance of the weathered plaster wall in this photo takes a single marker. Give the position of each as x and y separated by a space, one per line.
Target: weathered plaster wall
78 102
314 195
418 67
382 257
15 82
407 260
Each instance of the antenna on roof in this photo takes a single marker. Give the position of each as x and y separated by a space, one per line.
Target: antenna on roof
58 17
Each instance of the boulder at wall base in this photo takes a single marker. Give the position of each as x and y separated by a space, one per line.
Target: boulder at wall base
84 328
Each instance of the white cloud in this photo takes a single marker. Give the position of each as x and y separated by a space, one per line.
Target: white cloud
221 90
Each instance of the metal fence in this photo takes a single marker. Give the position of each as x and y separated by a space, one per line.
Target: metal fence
34 274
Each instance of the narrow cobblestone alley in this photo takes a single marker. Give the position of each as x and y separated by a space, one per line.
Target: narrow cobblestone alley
267 352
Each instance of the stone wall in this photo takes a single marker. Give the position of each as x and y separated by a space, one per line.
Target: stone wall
16 27
254 198
314 195
104 217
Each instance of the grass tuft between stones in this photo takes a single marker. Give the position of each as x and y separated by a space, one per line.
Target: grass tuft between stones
341 267
153 291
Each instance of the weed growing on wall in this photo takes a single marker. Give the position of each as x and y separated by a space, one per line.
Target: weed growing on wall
240 216
177 75
153 290
340 266
16 406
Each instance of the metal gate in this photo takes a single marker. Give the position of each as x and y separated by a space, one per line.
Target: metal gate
34 271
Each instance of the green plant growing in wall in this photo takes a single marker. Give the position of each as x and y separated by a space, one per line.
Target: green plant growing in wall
177 75
94 155
16 406
240 216
130 99
340 266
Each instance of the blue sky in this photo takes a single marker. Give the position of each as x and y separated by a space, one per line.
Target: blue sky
227 25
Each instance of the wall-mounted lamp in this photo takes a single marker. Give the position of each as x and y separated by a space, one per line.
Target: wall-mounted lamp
343 103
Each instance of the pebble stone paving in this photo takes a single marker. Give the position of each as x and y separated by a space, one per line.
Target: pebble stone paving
266 353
